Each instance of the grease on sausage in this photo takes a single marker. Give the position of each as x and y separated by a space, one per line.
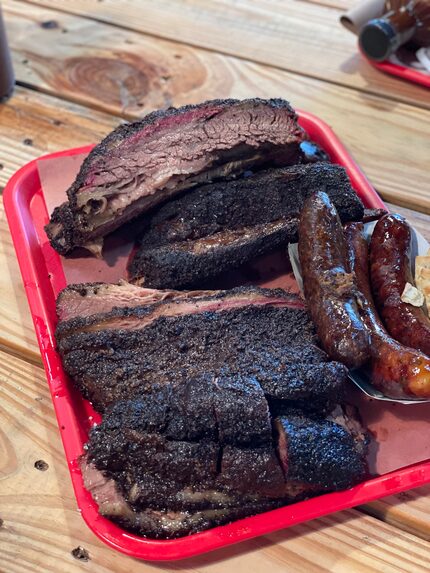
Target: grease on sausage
329 288
396 370
390 270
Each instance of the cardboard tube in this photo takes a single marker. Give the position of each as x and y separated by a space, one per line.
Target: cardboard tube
7 78
359 15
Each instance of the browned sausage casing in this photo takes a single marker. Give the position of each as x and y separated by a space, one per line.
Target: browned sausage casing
329 289
390 270
396 370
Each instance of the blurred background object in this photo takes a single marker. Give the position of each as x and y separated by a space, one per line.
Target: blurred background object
360 14
7 78
402 21
394 36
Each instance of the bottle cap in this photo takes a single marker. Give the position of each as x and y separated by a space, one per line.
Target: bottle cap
378 40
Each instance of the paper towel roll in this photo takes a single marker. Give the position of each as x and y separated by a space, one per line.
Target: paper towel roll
359 15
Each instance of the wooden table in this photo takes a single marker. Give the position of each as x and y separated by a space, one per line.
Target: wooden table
82 67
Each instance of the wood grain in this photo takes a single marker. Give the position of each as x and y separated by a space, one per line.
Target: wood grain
341 5
41 525
31 125
143 73
408 510
296 36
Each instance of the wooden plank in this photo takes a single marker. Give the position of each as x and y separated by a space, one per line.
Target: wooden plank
31 125
408 510
40 525
341 5
296 36
390 141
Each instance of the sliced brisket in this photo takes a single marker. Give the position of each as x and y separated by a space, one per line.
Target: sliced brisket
249 331
170 523
223 225
188 263
144 163
230 409
129 307
143 477
88 299
319 452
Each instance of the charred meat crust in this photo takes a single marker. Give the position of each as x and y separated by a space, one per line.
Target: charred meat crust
179 267
154 477
259 198
108 364
320 452
198 448
221 225
230 409
257 332
112 187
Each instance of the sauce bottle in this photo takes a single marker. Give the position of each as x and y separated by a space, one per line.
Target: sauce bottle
403 21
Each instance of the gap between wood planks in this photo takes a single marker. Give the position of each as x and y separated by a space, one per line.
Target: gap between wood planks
389 97
338 5
18 352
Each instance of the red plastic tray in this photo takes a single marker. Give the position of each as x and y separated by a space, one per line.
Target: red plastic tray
402 72
43 278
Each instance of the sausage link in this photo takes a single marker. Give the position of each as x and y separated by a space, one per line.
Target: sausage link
329 289
396 370
390 270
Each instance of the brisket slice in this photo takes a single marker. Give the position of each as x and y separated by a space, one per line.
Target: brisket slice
129 307
87 299
168 524
230 409
222 225
188 263
320 452
144 163
160 486
257 340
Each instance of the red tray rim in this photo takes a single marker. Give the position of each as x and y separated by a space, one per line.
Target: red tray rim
22 226
403 72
